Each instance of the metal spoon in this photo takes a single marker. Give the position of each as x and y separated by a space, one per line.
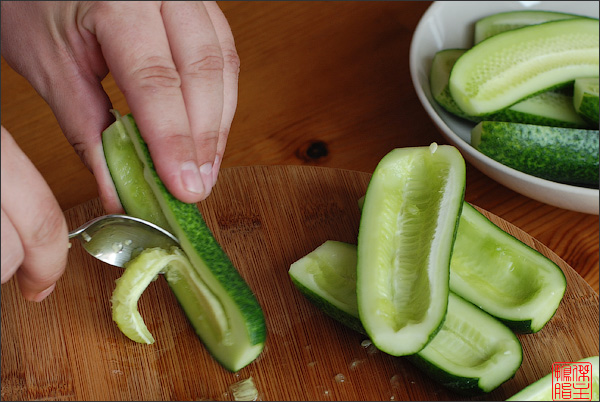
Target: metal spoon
116 239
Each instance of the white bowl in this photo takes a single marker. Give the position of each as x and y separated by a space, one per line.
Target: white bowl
449 24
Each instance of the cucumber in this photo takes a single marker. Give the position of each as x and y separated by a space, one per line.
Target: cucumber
139 272
564 155
215 298
505 268
503 276
585 99
541 390
505 21
406 233
550 108
513 65
473 353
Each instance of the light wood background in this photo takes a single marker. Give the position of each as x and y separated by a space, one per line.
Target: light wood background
265 218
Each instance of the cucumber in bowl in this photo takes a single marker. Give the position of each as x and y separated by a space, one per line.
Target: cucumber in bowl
516 64
563 155
216 299
472 353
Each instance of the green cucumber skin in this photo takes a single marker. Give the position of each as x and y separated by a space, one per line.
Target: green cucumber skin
562 155
206 246
482 60
589 109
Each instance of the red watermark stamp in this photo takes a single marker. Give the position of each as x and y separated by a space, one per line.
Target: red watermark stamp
572 381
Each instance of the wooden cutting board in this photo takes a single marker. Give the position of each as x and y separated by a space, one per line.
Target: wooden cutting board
265 217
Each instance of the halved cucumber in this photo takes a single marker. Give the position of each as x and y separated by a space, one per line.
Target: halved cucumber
407 229
565 155
550 108
485 255
585 99
514 65
502 275
217 301
505 21
542 390
472 352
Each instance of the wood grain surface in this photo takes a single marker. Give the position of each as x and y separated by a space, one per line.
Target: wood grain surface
265 218
321 83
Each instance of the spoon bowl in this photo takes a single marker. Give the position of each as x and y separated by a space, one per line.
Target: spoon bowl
116 239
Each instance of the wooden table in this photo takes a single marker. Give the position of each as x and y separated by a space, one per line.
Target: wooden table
321 84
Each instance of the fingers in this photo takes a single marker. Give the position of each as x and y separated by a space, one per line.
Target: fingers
231 70
180 83
32 218
137 52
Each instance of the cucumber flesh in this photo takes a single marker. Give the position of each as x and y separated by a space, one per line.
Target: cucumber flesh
503 276
514 65
139 273
479 242
472 353
126 170
209 288
550 108
541 390
500 22
407 229
564 155
585 99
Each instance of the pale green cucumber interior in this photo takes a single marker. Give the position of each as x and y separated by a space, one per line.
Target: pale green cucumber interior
584 86
552 105
126 171
405 239
502 275
516 64
138 274
501 22
472 344
330 268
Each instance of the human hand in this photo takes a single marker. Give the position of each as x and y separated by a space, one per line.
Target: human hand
34 231
175 62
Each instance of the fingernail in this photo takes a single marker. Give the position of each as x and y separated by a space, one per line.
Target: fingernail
191 178
207 176
43 294
216 168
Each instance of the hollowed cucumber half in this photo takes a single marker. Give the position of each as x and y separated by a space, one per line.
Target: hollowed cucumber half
502 275
472 353
215 298
407 229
